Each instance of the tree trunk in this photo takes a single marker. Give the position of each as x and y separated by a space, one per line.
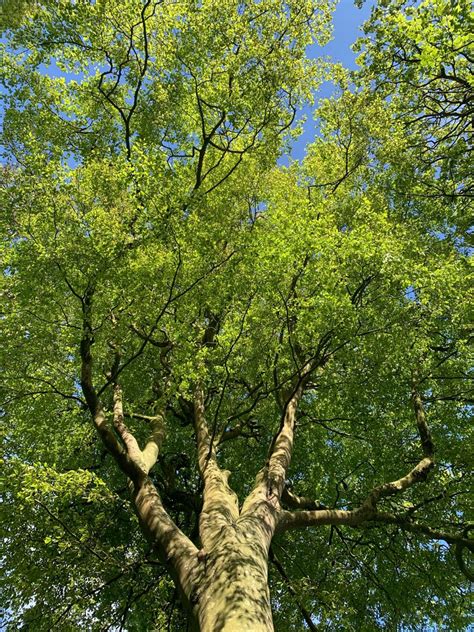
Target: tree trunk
232 594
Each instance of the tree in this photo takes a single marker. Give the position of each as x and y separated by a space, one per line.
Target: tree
235 395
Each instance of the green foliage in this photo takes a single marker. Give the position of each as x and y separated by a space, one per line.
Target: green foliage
141 146
420 56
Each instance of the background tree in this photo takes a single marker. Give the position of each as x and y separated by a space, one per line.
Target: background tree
177 304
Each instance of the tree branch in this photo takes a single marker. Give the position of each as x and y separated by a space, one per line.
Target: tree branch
300 502
362 518
152 447
131 444
368 509
173 546
423 430
220 503
93 402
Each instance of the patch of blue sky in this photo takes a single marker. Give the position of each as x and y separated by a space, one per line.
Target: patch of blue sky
347 28
410 293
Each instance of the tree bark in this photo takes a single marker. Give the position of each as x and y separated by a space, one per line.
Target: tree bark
233 593
231 586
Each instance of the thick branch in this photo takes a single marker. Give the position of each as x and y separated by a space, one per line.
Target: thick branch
364 518
423 430
417 474
367 510
96 409
152 447
220 503
282 446
131 444
300 519
369 507
149 455
280 458
173 546
132 461
263 502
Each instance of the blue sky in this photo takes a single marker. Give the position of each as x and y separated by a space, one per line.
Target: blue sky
347 21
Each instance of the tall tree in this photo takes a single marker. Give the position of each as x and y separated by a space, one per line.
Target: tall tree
235 396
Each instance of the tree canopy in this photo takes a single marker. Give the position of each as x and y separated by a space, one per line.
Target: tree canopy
211 362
